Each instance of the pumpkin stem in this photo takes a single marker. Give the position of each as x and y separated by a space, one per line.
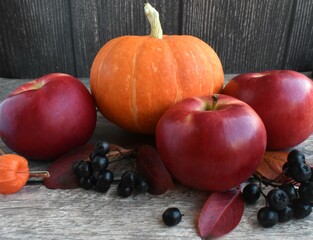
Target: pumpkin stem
154 20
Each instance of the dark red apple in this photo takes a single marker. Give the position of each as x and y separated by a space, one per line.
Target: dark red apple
211 143
284 101
47 117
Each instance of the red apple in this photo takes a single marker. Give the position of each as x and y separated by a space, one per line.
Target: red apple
284 101
47 117
211 143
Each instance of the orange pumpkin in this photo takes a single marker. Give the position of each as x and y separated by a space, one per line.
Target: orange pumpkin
134 79
14 173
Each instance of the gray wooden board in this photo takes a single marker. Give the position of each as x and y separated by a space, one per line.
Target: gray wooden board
299 52
97 22
40 213
41 36
248 35
36 36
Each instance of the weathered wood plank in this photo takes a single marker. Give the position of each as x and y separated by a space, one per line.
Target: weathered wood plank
299 51
247 35
4 65
36 36
86 40
118 18
98 21
41 36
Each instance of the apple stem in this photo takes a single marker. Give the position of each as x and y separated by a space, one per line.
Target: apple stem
215 98
39 174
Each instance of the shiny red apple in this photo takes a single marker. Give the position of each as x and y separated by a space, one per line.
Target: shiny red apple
46 117
211 143
284 101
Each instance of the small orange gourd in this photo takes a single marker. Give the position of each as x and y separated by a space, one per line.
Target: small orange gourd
134 79
14 173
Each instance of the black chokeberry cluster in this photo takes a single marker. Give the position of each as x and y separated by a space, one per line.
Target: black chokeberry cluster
93 173
290 200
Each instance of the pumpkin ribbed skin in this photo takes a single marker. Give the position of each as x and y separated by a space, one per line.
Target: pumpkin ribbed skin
134 79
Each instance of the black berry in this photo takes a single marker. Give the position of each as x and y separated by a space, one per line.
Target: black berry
141 185
251 193
301 209
299 172
295 157
267 217
277 199
99 163
86 182
104 180
102 187
172 216
124 191
102 148
76 167
285 214
306 192
82 168
128 178
291 191
92 155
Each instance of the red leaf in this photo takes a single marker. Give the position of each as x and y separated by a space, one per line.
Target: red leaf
150 166
221 213
61 173
271 166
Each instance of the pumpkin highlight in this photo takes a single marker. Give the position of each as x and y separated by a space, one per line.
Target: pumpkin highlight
135 79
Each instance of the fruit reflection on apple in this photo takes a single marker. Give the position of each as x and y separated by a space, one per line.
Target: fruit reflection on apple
284 101
211 143
46 117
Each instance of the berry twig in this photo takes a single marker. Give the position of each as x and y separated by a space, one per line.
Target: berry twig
266 181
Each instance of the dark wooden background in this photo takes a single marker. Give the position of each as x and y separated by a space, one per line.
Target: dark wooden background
43 36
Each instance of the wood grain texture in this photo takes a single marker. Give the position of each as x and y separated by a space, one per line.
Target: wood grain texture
37 38
299 51
42 36
247 35
4 64
39 213
85 31
96 22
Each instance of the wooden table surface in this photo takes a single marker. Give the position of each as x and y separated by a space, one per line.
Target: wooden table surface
40 213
